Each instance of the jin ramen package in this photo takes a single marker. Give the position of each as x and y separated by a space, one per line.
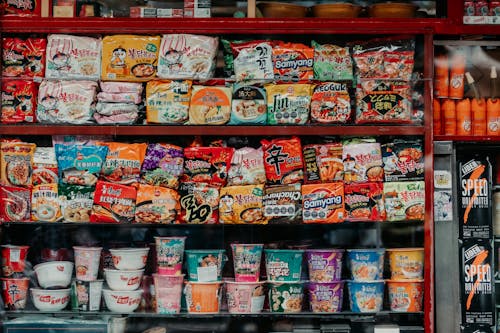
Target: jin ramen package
288 103
323 203
129 57
242 205
16 163
199 203
283 161
155 204
167 102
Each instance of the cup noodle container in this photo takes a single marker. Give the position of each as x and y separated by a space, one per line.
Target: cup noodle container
366 264
205 265
169 254
14 292
14 260
283 265
86 295
246 260
366 296
405 296
286 296
326 296
202 297
244 297
324 265
168 289
406 263
87 261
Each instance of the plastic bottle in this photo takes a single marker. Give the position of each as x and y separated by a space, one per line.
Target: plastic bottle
441 76
457 70
493 107
478 107
464 118
449 117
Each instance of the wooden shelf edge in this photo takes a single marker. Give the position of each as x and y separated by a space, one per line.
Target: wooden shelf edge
144 130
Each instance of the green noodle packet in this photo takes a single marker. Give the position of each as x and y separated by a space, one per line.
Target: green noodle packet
332 62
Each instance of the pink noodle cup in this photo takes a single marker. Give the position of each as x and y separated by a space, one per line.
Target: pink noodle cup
246 260
170 254
14 260
168 289
326 296
244 297
324 265
14 292
87 260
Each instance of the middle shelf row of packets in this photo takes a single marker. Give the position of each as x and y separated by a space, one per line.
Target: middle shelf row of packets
213 103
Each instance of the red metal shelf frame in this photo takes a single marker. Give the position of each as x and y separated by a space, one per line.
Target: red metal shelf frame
467 138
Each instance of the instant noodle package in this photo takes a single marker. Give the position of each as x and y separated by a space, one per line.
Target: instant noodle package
210 105
80 165
283 161
45 169
253 60
405 200
242 205
283 203
331 62
76 202
207 164
23 58
16 163
123 162
155 204
199 203
113 203
323 203
247 167
248 105
163 165
45 203
362 161
288 103
330 103
293 62
167 102
19 98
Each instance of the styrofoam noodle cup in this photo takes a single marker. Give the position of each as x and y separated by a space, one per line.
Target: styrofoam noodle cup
203 297
205 265
168 290
286 296
406 263
14 260
244 297
170 254
405 295
326 296
87 260
324 265
14 292
246 260
366 296
366 264
283 265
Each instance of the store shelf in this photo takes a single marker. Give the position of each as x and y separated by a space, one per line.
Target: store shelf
345 130
218 25
468 138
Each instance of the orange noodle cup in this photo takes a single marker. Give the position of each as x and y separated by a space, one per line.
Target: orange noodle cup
87 260
14 260
406 263
14 292
405 296
203 297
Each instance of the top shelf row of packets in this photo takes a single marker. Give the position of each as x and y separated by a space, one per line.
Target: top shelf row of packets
185 56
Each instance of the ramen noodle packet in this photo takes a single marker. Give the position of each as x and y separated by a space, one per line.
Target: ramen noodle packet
155 204
384 58
113 203
116 113
242 205
207 164
288 103
283 161
121 87
379 101
16 163
405 200
45 170
210 105
199 203
23 58
73 57
323 163
331 62
69 102
247 167
15 204
248 105
253 60
362 161
167 102
403 160
364 202
323 203
80 165
124 97
129 57
123 162
293 62
163 165
18 101
330 103
45 203
283 204
185 56
76 202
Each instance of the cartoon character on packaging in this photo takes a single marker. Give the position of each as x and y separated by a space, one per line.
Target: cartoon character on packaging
49 106
117 63
61 61
24 103
35 63
173 59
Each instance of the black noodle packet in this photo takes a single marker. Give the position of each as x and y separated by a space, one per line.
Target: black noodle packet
283 204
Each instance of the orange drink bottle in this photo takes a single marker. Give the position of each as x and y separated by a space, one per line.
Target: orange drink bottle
441 77
478 107
493 106
464 118
449 117
436 111
457 70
